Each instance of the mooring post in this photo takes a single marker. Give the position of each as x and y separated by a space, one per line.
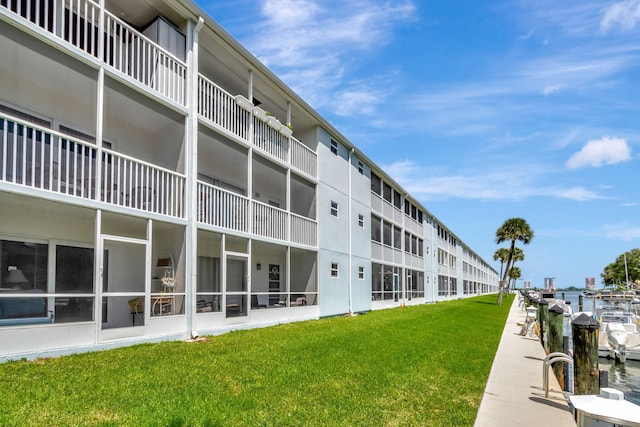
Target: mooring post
544 324
585 355
580 302
555 338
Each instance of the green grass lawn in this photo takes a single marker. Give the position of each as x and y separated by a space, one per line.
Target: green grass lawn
422 365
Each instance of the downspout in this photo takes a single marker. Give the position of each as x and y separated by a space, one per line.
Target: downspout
191 250
349 264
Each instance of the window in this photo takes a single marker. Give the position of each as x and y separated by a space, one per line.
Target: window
334 208
420 246
334 269
376 229
361 273
361 168
386 234
360 220
386 192
26 272
376 185
397 200
334 147
397 237
407 242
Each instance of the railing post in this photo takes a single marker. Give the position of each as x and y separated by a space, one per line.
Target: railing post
543 313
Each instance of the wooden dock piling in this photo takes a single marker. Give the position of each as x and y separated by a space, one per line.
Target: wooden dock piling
585 355
556 340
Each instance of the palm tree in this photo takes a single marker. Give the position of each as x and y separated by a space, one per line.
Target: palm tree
513 229
514 274
518 255
501 254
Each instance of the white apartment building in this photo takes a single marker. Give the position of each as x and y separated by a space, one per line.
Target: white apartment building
158 182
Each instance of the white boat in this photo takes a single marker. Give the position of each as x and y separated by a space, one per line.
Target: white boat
608 409
619 338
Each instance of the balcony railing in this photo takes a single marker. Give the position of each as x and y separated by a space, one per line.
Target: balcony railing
225 209
44 159
222 208
304 158
220 107
129 52
125 49
304 230
270 140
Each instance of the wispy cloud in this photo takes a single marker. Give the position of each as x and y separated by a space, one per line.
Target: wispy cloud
623 15
515 182
622 232
599 152
315 45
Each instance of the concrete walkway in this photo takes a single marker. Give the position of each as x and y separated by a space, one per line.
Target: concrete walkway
514 395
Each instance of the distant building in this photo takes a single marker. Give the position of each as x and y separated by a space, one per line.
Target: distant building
550 283
527 284
590 283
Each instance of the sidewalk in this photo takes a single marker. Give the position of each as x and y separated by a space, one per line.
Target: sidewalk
514 395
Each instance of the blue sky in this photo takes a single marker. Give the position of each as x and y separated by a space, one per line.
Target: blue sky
483 110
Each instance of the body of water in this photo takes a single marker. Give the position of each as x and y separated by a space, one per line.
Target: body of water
622 376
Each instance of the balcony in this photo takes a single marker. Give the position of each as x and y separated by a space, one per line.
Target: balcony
122 48
43 159
235 115
224 209
130 54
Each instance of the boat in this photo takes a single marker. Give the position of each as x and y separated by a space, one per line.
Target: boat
608 409
619 338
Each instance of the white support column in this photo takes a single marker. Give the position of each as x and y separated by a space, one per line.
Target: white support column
349 231
98 263
191 169
100 109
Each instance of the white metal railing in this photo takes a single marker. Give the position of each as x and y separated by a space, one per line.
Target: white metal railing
270 140
304 158
304 230
126 49
222 208
38 157
218 106
40 12
135 55
140 185
269 221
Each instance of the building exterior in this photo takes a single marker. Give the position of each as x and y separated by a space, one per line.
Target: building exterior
550 283
590 283
146 194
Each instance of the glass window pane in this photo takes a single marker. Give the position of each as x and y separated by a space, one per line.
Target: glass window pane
23 266
74 270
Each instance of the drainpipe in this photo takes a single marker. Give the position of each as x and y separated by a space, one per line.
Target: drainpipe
191 250
350 279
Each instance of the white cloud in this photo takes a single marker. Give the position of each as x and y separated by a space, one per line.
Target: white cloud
551 89
599 152
622 232
579 194
312 43
516 182
622 15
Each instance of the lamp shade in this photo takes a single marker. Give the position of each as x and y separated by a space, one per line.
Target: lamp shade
16 277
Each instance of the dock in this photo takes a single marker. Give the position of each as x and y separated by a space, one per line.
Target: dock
514 395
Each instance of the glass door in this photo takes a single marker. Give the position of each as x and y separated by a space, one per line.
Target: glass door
237 286
124 279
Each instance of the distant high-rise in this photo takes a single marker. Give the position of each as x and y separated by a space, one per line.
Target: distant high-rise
527 284
590 283
550 283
